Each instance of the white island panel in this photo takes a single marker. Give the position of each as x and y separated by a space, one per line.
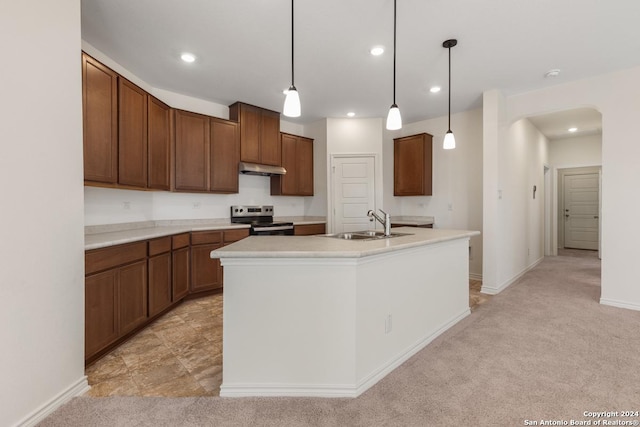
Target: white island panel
299 325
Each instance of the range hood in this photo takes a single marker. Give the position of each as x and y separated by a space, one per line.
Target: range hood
264 170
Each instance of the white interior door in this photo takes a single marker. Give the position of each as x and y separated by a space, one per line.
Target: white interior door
581 211
353 193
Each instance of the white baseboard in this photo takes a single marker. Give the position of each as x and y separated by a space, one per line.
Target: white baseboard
491 290
474 276
619 304
338 390
77 389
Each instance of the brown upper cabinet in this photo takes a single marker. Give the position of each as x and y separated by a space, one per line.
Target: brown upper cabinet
99 121
132 134
159 144
127 132
259 133
225 155
206 153
412 165
191 151
297 159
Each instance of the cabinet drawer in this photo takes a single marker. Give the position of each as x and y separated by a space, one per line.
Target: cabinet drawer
309 229
159 246
180 240
235 235
102 259
204 237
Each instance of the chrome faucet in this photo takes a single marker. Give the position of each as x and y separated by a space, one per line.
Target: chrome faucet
386 221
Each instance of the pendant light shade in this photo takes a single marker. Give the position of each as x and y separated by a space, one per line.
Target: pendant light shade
292 101
394 120
449 140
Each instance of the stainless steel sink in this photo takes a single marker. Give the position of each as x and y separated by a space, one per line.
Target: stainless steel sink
364 235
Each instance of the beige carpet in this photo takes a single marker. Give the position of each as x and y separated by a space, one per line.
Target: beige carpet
543 349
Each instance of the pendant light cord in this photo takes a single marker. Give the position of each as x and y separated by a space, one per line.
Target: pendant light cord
394 52
292 79
449 89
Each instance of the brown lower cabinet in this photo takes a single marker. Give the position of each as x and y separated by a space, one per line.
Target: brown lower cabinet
180 261
309 229
127 286
115 294
207 273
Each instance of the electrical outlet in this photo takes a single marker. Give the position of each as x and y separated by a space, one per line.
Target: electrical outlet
450 206
387 325
196 205
126 205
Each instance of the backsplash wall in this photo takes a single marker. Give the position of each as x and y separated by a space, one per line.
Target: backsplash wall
115 206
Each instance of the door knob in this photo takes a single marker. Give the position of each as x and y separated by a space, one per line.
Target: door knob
596 217
567 215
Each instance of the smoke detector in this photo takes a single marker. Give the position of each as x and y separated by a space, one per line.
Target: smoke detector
552 73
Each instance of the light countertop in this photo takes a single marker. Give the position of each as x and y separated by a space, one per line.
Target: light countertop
327 247
101 236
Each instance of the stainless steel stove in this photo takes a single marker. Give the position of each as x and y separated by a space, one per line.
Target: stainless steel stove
261 220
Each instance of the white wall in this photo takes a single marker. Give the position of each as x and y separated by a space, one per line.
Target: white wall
357 137
457 178
520 239
617 97
41 227
577 151
113 206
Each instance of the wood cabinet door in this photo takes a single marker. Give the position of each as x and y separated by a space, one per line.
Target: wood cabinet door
206 273
309 229
158 144
132 134
191 151
225 155
412 165
270 138
99 121
132 295
101 315
160 291
289 182
180 266
304 154
250 118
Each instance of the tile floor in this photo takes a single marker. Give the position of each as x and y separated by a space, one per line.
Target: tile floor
180 354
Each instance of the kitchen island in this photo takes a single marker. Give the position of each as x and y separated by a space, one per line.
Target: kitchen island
319 316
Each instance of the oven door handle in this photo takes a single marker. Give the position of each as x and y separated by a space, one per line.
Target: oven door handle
277 228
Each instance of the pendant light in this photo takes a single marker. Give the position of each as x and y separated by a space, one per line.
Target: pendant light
394 121
449 140
292 100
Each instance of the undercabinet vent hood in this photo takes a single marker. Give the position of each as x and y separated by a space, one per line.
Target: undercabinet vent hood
264 170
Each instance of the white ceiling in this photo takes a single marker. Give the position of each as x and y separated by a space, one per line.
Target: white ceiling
243 49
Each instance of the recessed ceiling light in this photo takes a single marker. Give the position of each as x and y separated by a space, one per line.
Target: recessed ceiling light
188 57
552 73
572 129
351 114
435 89
377 50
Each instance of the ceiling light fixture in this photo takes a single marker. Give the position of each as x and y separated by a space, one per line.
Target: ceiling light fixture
449 140
351 114
292 100
435 89
394 120
188 57
572 129
377 50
